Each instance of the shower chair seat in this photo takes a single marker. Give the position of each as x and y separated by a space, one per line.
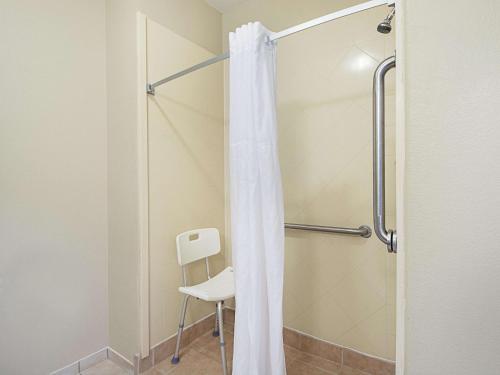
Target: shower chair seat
217 288
192 246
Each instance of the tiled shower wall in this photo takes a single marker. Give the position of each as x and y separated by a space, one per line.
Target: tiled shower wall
337 288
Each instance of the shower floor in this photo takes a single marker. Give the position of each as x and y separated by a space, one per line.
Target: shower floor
202 357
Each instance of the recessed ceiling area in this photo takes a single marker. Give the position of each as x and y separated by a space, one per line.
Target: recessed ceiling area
223 5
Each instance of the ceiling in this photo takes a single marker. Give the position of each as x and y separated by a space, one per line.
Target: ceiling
223 5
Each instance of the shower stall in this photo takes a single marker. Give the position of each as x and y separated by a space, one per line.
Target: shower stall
336 107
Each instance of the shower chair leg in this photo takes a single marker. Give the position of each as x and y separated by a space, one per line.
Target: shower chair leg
221 338
176 358
215 333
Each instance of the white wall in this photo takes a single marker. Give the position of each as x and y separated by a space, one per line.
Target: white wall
53 294
452 187
56 156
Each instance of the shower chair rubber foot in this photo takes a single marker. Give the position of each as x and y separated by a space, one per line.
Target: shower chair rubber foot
175 360
215 333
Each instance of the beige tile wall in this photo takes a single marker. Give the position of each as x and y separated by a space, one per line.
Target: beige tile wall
186 171
196 21
340 289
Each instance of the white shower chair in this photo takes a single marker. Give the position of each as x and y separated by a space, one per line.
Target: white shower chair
194 245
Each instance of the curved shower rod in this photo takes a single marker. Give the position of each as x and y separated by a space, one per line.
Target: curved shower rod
150 88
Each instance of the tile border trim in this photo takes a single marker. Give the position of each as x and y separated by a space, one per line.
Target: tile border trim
342 355
90 360
330 351
291 337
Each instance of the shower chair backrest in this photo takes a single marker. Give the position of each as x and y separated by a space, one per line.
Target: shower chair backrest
197 244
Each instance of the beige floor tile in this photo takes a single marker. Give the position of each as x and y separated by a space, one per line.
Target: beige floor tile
345 370
210 346
192 363
202 357
166 367
298 367
105 368
203 340
153 371
293 356
229 327
321 363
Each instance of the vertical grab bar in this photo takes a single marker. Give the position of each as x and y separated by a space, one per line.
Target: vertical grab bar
386 236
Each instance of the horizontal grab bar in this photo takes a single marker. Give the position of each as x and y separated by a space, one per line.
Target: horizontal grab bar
363 231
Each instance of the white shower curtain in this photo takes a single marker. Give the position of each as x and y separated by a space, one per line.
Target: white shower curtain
257 222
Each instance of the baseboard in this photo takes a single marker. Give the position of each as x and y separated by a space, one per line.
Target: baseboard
337 353
158 353
92 359
299 340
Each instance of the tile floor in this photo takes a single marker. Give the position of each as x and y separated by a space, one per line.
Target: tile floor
106 368
202 357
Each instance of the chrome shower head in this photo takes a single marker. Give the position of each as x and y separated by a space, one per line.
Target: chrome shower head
385 27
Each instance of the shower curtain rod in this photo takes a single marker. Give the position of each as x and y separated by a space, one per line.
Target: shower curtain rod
275 36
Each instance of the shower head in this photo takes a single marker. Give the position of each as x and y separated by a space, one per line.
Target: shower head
385 27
